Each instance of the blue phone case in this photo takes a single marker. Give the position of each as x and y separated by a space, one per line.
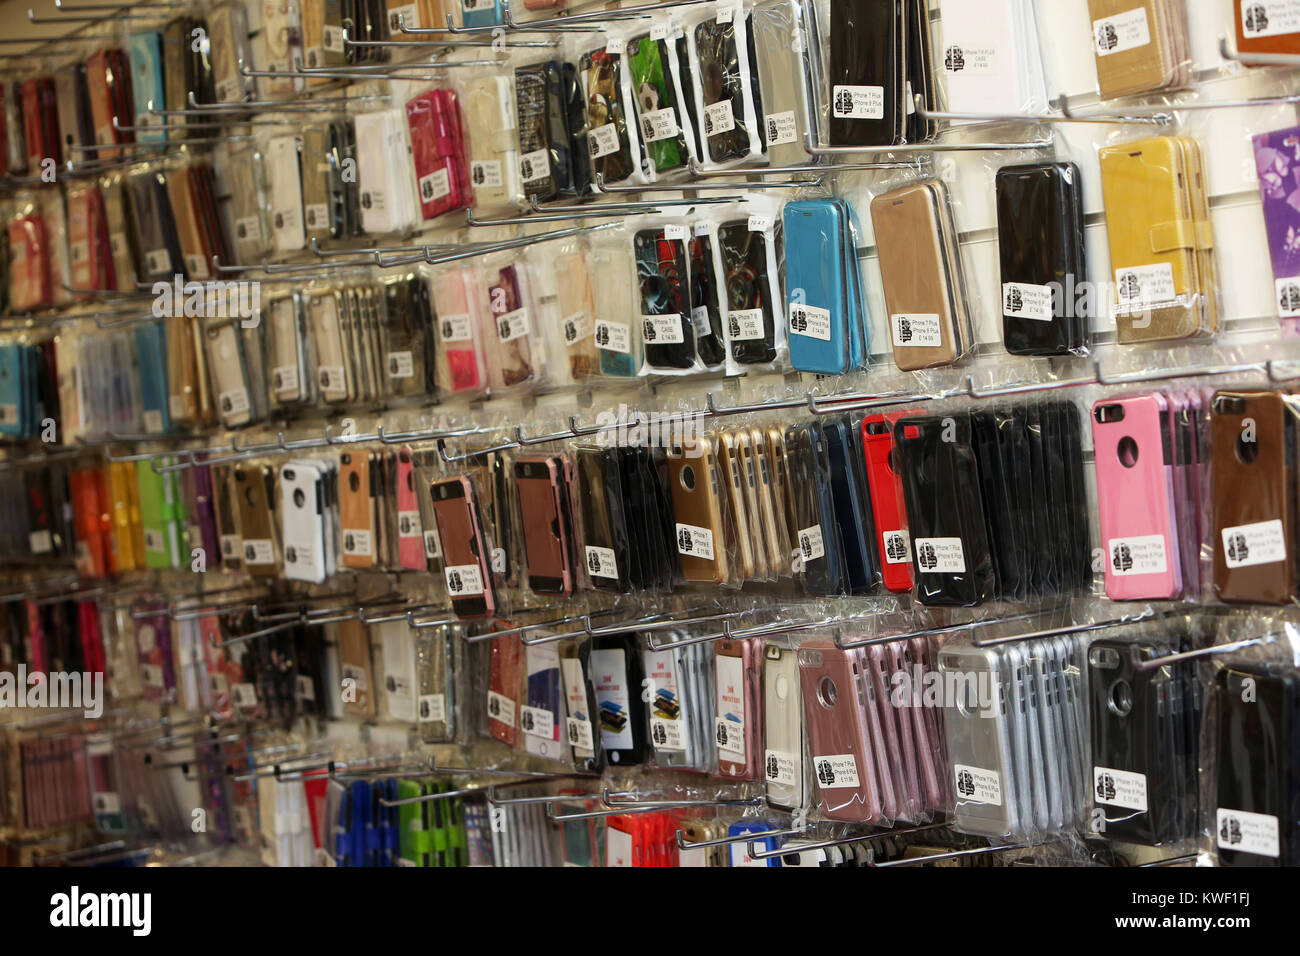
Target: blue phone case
814 269
480 13
14 413
151 356
766 844
145 52
852 509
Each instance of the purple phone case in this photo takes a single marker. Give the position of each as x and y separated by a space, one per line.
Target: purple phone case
1277 161
205 511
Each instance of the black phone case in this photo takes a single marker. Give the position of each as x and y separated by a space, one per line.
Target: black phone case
744 260
852 506
867 49
1040 243
941 486
718 63
633 682
814 506
664 286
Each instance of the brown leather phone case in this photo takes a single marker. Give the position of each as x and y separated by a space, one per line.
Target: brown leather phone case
1124 64
1257 32
696 484
1253 507
357 509
257 520
914 268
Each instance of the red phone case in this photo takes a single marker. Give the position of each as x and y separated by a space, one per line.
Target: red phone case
887 506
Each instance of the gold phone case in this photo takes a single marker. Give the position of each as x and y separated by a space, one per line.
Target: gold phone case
697 500
737 504
1153 237
354 663
1125 64
917 271
777 547
257 520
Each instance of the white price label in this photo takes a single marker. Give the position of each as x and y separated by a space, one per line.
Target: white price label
233 402
40 542
157 260
719 118
858 102
1120 788
463 579
537 721
1023 301
1269 18
896 546
456 328
662 329
730 735
603 141
746 325
432 708
332 378
1144 554
435 185
811 544
780 767
658 125
409 525
940 555
357 541
916 330
1124 31
612 336
284 378
1144 285
601 562
694 541
1263 542
781 128
432 546
153 541
317 215
501 707
232 545
486 173
811 321
666 734
259 551
700 319
1247 832
976 785
512 325
535 165
401 365
580 735
576 328
836 771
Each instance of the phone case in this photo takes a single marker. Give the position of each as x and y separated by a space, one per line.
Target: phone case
1040 247
1153 235
357 492
885 482
656 102
783 724
606 553
726 134
750 319
978 735
468 574
1136 506
866 65
543 507
1136 45
607 142
1266 26
922 280
258 528
667 334
698 497
838 739
1253 488
616 672
951 560
1255 754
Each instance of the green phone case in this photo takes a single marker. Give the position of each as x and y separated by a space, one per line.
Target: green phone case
158 516
654 91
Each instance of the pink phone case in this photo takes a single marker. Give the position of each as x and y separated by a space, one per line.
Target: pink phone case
929 753
1135 499
460 318
837 733
410 532
884 735
907 781
752 710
